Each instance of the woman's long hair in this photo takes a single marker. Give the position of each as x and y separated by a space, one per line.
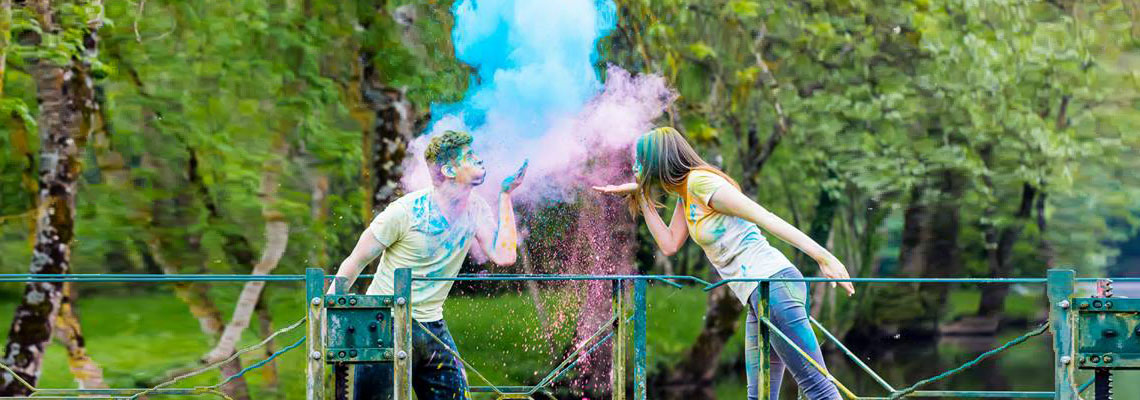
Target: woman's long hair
666 160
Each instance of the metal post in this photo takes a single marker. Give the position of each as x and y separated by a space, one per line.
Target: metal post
1103 376
639 333
402 321
340 370
1060 288
764 378
314 294
617 374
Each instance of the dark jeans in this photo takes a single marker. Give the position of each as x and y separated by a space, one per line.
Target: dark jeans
436 373
786 302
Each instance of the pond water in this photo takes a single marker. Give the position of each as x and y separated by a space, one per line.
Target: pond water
1027 367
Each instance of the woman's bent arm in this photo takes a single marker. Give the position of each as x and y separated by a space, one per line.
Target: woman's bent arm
669 238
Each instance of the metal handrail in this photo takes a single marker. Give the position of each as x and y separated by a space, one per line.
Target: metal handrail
174 278
315 277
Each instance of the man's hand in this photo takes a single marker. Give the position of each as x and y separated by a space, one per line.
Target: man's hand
831 268
619 190
512 182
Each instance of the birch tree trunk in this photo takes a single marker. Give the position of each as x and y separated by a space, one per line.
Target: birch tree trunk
32 322
318 213
390 136
116 173
387 117
277 237
5 38
193 294
68 333
85 96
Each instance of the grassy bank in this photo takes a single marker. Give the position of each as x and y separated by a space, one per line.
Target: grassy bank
136 338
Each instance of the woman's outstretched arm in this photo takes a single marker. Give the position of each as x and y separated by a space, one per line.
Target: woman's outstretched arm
731 201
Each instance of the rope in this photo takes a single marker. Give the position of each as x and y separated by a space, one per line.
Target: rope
214 365
259 363
18 378
1086 385
461 360
947 374
213 392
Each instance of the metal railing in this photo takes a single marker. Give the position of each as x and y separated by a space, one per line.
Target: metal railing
629 304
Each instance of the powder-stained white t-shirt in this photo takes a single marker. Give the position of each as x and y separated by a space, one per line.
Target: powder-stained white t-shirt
416 235
735 246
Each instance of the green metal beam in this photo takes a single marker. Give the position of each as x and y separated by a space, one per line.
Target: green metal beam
315 369
666 279
402 324
640 367
1060 292
621 338
764 375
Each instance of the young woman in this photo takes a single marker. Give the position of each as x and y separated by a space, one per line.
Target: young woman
727 225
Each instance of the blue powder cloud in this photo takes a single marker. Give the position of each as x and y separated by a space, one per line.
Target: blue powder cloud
534 61
536 94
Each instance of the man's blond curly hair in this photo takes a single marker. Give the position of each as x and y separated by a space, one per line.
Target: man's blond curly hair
445 148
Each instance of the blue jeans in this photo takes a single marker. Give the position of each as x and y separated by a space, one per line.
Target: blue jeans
436 373
786 301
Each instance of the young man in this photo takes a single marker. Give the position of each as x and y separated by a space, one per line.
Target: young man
430 231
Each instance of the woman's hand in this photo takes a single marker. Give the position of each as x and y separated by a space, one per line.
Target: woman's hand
619 190
831 268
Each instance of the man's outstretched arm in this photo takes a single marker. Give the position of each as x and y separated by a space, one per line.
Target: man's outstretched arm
366 250
501 243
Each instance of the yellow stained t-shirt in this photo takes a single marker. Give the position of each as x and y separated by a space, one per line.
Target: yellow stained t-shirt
735 246
416 235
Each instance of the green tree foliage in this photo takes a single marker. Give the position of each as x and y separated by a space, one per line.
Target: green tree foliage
195 96
841 116
962 108
881 95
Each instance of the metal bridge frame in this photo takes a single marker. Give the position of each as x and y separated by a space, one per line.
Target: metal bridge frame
1060 284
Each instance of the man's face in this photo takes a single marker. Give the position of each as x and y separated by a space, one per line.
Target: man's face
467 168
